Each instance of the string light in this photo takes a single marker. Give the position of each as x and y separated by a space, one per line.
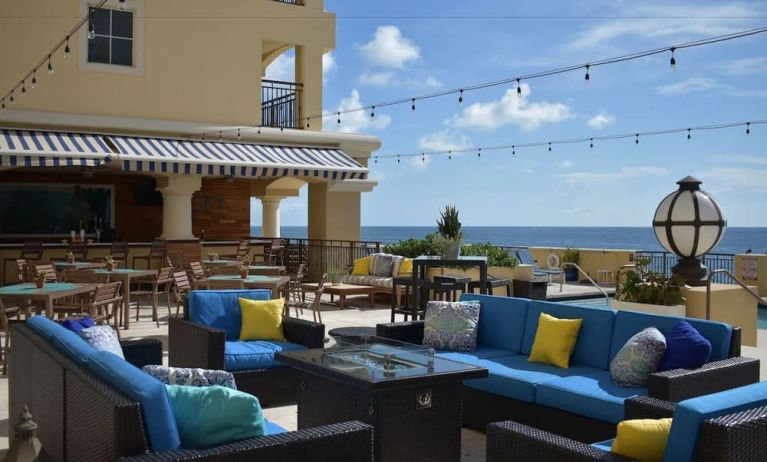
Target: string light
239 136
460 97
66 48
412 107
339 118
587 77
398 158
689 137
591 143
92 31
673 59
375 160
423 157
549 146
23 89
220 136
34 78
203 137
259 129
308 123
748 128
13 100
449 155
519 89
2 105
479 152
373 112
636 141
513 150
50 66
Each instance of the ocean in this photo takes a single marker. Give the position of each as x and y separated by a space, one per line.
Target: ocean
736 240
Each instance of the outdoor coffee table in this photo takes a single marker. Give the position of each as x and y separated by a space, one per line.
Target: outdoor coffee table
343 291
410 397
125 275
20 293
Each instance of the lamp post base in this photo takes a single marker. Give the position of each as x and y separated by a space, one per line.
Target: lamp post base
691 270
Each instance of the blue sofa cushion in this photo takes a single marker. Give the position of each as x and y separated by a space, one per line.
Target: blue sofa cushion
691 413
44 327
628 323
255 354
593 344
221 308
501 321
159 422
606 445
514 377
271 428
472 356
593 394
72 345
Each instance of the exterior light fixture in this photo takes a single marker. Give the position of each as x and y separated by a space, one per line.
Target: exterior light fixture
689 223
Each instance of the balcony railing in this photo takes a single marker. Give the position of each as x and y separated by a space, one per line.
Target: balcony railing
662 262
280 103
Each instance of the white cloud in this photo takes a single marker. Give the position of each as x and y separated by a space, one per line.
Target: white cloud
745 66
446 140
737 178
512 109
432 81
389 48
566 164
689 85
376 79
329 65
283 68
624 173
355 122
601 120
740 159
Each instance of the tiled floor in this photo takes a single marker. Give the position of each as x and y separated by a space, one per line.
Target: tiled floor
356 313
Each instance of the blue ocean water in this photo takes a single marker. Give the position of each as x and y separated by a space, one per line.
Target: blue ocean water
736 240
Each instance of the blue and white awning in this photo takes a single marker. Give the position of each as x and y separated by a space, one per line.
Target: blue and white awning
30 148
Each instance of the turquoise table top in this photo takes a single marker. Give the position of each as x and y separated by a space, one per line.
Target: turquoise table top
27 287
253 278
123 271
78 264
221 262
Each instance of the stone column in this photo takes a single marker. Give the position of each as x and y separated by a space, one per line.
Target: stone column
270 215
309 73
177 191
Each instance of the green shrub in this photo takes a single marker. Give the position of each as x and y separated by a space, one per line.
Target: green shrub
655 289
434 244
496 256
571 255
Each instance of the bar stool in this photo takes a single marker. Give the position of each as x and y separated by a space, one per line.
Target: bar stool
406 309
492 283
446 287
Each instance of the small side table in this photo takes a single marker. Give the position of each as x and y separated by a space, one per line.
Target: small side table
445 286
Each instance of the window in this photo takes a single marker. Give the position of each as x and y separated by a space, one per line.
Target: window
113 43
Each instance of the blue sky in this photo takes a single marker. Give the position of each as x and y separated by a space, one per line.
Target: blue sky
391 54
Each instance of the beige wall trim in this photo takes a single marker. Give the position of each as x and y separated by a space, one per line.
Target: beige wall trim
352 186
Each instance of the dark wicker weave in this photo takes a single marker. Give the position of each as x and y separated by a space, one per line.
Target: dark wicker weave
195 345
83 419
644 407
740 436
482 408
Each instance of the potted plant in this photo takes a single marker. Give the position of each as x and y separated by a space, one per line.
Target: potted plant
335 273
40 279
212 256
656 293
449 227
571 255
109 263
70 256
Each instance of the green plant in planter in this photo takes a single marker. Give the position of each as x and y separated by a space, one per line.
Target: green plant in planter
335 273
448 225
571 255
655 289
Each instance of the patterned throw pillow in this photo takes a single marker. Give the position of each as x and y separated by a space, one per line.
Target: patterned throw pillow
638 358
381 265
103 338
451 326
193 377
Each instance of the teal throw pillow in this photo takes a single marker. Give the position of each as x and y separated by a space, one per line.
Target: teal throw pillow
214 415
638 358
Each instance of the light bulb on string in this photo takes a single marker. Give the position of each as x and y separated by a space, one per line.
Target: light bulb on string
308 124
513 150
23 89
2 105
449 155
202 138
689 137
398 158
12 100
220 136
549 146
259 129
50 66
92 32
587 77
239 135
748 128
339 118
636 140
460 97
519 89
375 160
372 112
479 152
34 78
66 48
423 157
672 61
412 106
591 143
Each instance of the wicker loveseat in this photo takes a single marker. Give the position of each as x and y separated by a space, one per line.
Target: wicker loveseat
83 416
580 402
383 283
727 426
209 339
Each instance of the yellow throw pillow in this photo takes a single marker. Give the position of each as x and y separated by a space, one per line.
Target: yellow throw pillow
361 266
262 319
642 439
554 340
406 268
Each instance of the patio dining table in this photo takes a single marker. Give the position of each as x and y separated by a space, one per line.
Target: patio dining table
273 283
78 265
125 275
20 293
221 262
266 270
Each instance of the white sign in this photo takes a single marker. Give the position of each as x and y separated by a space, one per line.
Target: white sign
750 269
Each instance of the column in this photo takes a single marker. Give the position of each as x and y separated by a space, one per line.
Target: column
309 73
177 191
333 215
270 215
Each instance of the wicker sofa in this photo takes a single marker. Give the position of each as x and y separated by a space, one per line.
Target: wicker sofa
208 338
729 425
84 417
581 402
382 284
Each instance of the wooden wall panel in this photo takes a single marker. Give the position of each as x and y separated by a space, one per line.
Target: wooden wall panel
222 208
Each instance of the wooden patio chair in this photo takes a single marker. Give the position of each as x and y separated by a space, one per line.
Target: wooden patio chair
313 305
49 270
156 252
181 288
30 251
79 249
243 250
22 270
5 313
277 253
119 251
197 274
293 289
152 288
105 304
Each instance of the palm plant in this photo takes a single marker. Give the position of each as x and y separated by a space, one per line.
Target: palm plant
449 225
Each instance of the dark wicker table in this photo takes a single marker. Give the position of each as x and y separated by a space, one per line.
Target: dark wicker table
410 397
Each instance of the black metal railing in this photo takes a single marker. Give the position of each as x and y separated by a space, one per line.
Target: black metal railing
291 2
280 104
662 262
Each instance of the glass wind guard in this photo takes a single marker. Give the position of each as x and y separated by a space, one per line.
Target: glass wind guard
379 357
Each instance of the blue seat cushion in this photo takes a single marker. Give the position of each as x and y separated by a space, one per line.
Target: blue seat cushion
221 308
628 323
472 356
593 394
271 428
593 345
159 422
44 327
501 321
606 445
689 415
514 377
255 354
72 345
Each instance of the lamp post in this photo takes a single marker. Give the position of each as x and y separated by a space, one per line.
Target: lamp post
689 223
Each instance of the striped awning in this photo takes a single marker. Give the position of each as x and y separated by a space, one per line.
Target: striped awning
29 148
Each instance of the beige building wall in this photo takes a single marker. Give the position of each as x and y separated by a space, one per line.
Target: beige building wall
202 60
591 260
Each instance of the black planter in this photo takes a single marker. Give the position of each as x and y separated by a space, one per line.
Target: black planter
571 274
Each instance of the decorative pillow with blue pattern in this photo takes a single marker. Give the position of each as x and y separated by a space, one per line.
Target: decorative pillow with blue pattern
193 377
103 338
638 358
451 325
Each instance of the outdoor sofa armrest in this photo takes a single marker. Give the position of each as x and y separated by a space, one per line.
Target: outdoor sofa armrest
142 352
311 334
736 436
510 441
644 407
409 331
195 345
679 384
347 441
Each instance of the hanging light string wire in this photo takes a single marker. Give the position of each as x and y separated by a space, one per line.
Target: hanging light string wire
591 139
46 58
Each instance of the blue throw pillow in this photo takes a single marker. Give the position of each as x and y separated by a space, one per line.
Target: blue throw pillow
214 415
76 325
686 348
